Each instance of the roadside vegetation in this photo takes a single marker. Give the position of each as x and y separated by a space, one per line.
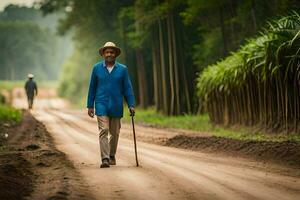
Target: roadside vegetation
224 67
259 84
9 114
29 44
250 95
150 117
165 44
9 85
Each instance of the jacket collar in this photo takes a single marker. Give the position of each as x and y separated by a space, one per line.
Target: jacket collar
115 65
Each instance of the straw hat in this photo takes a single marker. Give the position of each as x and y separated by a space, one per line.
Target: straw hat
30 75
110 45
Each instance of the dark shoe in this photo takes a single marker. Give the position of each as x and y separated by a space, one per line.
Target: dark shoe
112 160
105 163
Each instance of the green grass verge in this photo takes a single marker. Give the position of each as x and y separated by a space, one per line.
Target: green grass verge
9 114
9 85
201 123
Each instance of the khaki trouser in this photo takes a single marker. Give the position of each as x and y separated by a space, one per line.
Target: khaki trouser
109 129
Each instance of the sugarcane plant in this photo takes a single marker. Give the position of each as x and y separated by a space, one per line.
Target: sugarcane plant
259 84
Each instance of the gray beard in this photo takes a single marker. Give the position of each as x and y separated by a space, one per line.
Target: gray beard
110 59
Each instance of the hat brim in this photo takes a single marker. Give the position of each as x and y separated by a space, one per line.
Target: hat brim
118 50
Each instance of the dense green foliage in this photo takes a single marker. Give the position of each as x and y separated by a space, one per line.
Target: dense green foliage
29 44
165 43
9 85
224 25
93 25
9 114
259 84
26 48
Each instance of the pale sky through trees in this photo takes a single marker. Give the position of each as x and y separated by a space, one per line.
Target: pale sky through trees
4 3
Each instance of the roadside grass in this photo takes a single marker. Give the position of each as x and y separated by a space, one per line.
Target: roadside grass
9 85
8 116
79 103
8 113
6 88
47 84
201 123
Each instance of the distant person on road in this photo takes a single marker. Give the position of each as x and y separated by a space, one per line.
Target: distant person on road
31 90
109 83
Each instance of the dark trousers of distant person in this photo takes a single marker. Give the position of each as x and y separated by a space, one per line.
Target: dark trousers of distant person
30 101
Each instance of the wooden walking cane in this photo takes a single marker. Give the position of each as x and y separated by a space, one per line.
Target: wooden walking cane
134 139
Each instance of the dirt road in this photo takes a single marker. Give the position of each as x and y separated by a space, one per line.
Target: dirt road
165 173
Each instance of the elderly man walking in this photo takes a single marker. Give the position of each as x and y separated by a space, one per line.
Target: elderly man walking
109 83
30 89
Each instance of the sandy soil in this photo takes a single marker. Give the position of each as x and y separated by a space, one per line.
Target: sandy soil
165 172
285 153
31 167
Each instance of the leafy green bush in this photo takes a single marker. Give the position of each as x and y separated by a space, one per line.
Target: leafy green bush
259 84
9 114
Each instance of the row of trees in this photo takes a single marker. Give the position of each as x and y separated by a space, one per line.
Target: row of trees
165 43
260 83
29 44
155 33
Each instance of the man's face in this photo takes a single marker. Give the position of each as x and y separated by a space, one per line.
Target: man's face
109 54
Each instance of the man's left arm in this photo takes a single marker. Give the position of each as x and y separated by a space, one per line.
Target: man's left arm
35 88
128 92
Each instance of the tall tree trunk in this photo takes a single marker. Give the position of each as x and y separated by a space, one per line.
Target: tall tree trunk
232 23
163 68
155 76
183 88
176 70
172 55
253 15
143 94
225 48
12 69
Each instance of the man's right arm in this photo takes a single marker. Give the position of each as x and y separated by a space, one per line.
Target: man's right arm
92 93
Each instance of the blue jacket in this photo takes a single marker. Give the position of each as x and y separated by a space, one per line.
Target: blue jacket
107 90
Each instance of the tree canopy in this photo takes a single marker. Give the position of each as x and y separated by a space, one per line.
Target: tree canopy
165 44
28 44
